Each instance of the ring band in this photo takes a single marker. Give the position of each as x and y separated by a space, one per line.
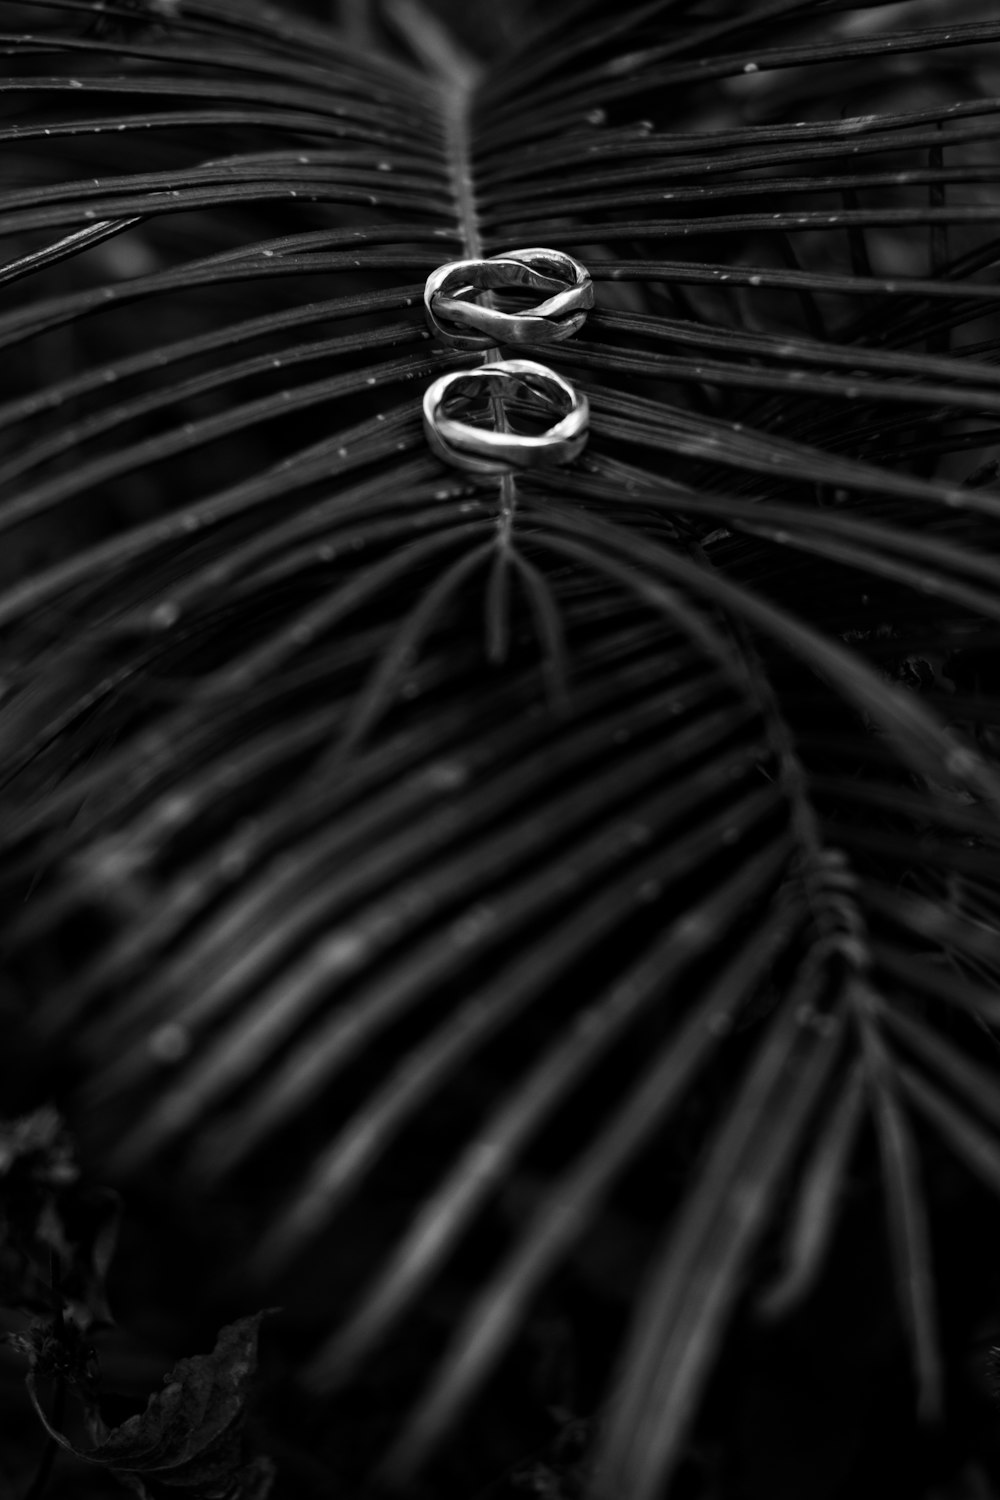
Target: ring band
456 318
522 383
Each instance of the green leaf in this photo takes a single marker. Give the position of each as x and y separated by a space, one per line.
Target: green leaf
57 1232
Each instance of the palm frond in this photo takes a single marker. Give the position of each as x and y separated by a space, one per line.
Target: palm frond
348 779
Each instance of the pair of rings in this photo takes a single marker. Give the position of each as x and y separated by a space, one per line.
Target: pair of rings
510 391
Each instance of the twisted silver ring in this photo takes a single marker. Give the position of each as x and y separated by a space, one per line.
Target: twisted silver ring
458 319
527 388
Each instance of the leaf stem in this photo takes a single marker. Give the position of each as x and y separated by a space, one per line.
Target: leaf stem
53 1425
433 44
44 1471
459 73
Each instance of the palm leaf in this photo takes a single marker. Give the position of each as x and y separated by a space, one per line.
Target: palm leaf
347 778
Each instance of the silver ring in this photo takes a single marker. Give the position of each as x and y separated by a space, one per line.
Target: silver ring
455 317
523 386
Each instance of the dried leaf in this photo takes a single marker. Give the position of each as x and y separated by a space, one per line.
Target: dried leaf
190 1436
